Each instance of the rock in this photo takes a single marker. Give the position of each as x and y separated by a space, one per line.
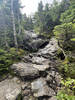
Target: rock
27 59
54 80
40 88
50 50
30 35
38 43
25 70
9 89
26 98
42 67
58 79
24 86
52 98
40 63
39 60
32 41
26 92
29 98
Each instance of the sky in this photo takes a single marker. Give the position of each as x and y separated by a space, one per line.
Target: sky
30 6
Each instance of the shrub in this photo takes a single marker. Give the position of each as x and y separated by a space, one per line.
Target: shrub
68 90
63 96
65 33
7 58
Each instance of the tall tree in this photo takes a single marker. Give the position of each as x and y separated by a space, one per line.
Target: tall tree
13 22
69 14
40 6
3 26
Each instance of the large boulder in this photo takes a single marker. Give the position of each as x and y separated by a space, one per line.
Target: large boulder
39 60
41 67
40 88
38 43
9 89
32 41
25 70
50 50
40 63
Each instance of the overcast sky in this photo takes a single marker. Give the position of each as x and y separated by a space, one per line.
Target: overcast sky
31 5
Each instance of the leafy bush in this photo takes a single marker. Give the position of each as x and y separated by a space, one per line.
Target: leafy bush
63 96
73 39
65 33
68 90
7 58
67 68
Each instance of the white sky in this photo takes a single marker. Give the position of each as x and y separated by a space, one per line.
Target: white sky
31 5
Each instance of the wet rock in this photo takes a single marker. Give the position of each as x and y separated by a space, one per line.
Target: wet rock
25 70
9 89
40 88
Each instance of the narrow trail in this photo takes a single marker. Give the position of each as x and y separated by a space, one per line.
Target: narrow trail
38 77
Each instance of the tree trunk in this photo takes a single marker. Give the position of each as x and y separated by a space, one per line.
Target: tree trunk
4 26
19 31
13 22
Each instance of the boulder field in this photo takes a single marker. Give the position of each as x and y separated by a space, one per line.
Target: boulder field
37 76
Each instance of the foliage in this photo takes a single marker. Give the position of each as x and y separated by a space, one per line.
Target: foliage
27 23
69 83
6 23
73 39
64 33
56 19
43 21
9 57
63 96
19 97
68 90
67 67
69 14
47 17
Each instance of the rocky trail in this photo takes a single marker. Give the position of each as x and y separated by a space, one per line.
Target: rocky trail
37 77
